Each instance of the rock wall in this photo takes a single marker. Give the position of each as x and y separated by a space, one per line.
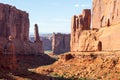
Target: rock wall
14 36
105 13
47 43
13 22
106 17
8 60
38 44
82 38
60 43
27 47
105 26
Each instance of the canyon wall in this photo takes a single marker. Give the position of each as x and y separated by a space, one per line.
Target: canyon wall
105 27
82 38
8 60
105 13
15 23
106 17
14 37
60 43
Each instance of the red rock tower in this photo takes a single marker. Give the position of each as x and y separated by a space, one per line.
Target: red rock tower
79 23
36 34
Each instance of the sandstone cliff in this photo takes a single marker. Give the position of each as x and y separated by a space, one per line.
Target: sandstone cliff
82 38
14 36
105 13
8 60
105 27
106 18
15 22
60 43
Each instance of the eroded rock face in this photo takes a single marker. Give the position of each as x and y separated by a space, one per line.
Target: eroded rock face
105 27
106 18
82 38
8 59
105 13
38 43
60 43
15 22
36 34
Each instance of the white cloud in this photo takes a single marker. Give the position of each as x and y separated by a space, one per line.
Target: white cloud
77 5
81 5
84 5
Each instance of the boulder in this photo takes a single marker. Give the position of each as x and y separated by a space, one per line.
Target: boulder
65 57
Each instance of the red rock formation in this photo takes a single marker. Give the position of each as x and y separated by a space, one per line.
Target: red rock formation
8 56
86 18
36 34
60 43
82 39
105 13
13 22
105 22
38 43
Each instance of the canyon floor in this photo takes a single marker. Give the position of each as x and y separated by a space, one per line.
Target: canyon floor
69 66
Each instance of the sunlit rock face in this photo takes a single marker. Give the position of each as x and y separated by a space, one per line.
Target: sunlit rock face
82 38
105 28
60 43
15 22
105 13
106 17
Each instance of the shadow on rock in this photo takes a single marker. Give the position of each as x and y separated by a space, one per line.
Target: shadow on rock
33 61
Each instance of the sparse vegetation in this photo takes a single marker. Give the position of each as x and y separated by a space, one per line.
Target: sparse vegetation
99 77
48 51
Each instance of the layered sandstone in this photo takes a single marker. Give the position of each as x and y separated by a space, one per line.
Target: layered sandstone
60 43
15 22
82 38
38 45
27 47
8 59
110 38
105 13
36 34
106 18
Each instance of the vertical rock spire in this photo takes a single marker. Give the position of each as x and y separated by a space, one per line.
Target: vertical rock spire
36 34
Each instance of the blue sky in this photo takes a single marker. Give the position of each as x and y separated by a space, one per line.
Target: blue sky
50 15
